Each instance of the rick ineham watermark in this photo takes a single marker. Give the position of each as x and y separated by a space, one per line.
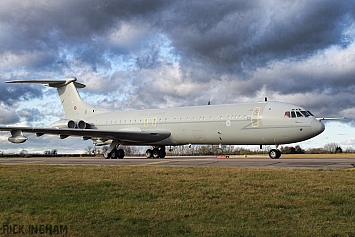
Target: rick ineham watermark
44 229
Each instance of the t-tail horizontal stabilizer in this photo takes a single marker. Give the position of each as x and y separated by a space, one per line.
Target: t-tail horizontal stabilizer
51 83
74 107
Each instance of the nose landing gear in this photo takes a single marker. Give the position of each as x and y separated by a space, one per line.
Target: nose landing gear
275 154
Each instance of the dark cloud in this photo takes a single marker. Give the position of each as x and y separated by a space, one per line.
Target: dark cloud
144 54
30 114
10 94
8 116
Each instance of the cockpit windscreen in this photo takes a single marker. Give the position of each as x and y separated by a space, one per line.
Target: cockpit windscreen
298 113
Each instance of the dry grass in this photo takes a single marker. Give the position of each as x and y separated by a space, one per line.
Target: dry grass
319 156
301 156
179 201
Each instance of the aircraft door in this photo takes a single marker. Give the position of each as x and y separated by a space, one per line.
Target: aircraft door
255 120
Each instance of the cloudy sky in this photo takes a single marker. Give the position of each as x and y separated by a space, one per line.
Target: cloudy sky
160 53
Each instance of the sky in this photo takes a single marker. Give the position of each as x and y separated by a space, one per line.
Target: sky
160 53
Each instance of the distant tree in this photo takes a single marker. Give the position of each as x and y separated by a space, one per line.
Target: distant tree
331 147
292 150
338 150
97 151
89 150
350 150
204 150
180 150
316 151
132 150
54 152
299 150
24 153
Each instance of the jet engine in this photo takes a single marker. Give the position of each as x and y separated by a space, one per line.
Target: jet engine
65 123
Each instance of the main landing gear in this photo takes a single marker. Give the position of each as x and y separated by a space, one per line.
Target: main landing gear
114 154
156 152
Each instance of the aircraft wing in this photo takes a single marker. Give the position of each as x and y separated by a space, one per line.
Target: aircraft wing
134 135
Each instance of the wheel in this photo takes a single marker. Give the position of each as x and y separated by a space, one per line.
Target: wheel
114 154
278 154
120 153
162 154
149 153
155 153
106 155
274 154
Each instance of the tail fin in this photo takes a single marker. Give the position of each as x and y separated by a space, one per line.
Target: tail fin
74 106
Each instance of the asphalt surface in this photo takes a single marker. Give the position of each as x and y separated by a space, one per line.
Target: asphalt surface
248 162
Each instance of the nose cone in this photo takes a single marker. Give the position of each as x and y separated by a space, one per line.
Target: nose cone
317 127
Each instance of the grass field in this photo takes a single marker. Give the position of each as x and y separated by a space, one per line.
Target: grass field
176 201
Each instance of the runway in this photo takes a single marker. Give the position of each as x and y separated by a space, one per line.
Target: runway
240 161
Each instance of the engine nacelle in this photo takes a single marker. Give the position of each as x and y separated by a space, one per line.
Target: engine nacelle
17 137
81 124
66 123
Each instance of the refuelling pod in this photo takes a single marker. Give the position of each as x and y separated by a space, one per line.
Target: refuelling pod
17 137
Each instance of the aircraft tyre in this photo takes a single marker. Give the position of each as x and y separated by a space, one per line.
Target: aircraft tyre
149 153
120 154
162 154
114 154
155 153
275 154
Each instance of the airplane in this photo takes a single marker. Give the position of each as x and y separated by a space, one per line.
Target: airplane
260 123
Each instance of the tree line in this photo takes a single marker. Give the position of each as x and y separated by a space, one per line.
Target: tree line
202 150
197 150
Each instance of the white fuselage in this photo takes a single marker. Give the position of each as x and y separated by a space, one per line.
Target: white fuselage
261 123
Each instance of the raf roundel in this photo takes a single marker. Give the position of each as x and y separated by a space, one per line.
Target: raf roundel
228 123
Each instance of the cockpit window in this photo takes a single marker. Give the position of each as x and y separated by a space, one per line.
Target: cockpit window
297 113
305 113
